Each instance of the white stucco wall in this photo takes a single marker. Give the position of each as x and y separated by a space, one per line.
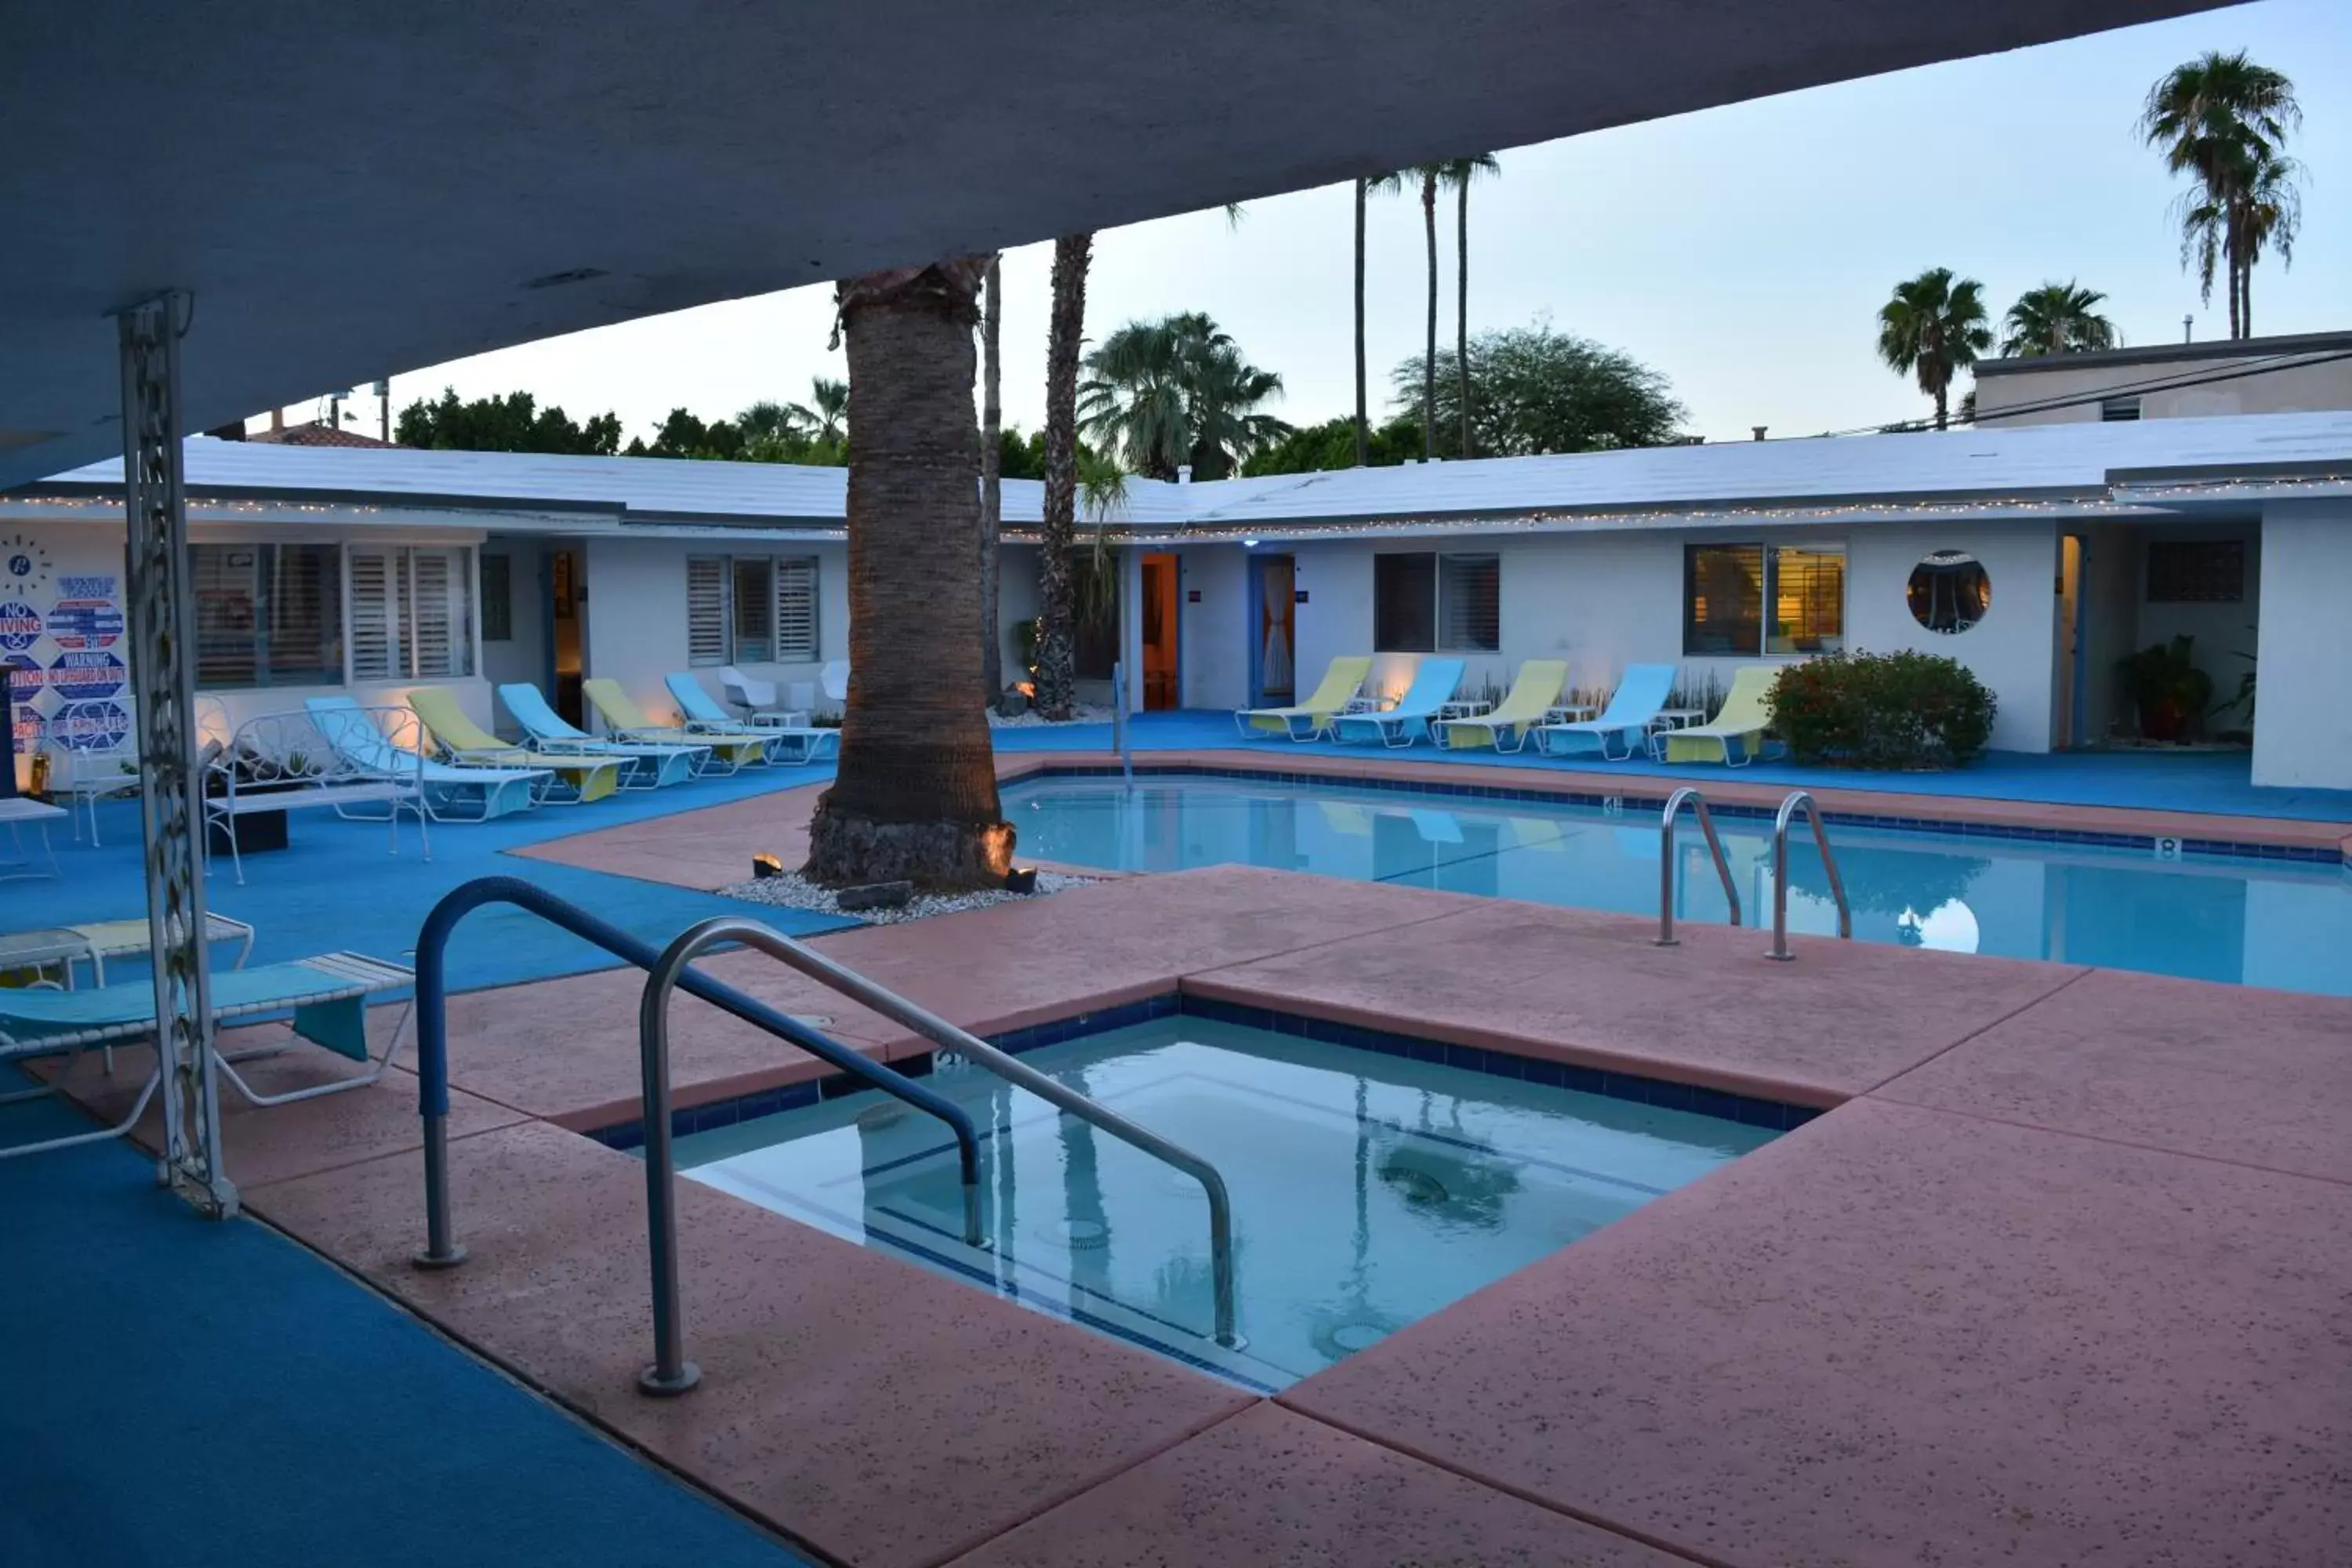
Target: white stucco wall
2011 650
636 614
2303 734
1213 636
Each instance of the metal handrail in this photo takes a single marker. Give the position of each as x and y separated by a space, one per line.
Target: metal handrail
1118 722
1781 872
441 1248
669 1351
1675 803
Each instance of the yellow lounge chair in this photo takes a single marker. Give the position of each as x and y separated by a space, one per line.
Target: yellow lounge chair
627 722
1534 694
1747 712
577 780
1340 684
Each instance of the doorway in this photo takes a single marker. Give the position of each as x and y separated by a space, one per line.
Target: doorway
1274 678
1161 686
2072 670
566 634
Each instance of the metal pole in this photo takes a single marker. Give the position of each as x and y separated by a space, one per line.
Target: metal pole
671 1374
1118 721
170 786
1781 873
1698 802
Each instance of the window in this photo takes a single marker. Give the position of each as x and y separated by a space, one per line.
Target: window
2115 409
497 599
1427 603
411 612
1727 587
750 609
2196 571
267 615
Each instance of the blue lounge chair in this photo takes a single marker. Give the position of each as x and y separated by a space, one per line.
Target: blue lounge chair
450 794
1433 687
704 716
327 995
1632 710
644 765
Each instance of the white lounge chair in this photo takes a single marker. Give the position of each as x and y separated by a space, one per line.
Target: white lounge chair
644 765
704 717
450 792
1633 708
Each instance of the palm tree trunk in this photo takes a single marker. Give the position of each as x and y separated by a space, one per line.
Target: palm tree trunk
914 796
1363 426
1429 349
1942 411
2246 295
1462 305
1057 643
992 459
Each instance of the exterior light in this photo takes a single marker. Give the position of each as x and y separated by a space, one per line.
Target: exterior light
765 865
1249 544
1020 879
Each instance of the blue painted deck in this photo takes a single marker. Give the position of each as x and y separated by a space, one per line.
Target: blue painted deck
213 1396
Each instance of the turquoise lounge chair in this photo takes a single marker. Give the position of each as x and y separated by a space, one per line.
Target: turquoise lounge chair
647 765
450 794
328 997
704 716
1633 709
1433 687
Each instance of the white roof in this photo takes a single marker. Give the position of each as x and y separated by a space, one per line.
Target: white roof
2088 468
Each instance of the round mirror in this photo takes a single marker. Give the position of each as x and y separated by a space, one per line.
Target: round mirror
1949 592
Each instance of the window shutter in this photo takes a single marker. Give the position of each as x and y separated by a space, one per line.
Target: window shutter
376 650
706 610
431 624
796 610
1469 610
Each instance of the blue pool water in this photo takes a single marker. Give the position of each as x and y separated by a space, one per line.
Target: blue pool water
1368 1190
2208 918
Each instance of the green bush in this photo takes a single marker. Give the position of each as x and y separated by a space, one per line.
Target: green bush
1882 710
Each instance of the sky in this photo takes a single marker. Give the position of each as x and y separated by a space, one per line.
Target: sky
1743 251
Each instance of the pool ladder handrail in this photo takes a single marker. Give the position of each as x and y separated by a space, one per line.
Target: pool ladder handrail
1686 796
670 1364
441 1247
1781 873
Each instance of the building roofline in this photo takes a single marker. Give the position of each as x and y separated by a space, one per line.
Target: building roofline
2161 353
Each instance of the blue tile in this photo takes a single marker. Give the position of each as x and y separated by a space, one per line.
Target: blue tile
1583 1079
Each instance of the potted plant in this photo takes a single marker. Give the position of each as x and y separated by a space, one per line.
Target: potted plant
2165 684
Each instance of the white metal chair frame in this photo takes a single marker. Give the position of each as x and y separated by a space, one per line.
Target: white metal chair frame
281 761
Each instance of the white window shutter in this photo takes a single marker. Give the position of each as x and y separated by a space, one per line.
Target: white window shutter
796 610
706 610
430 621
376 650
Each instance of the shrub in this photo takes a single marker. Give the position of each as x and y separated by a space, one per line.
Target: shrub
1882 710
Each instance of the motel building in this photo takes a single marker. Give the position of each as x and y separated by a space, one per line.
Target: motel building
2039 555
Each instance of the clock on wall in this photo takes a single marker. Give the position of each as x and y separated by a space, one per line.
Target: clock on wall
24 567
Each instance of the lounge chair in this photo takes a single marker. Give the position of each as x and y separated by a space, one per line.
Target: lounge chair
643 767
627 723
705 720
1340 684
1433 687
572 779
1504 727
1633 709
1746 714
758 700
449 794
327 995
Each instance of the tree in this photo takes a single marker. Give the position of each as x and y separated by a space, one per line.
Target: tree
1387 184
1175 391
2057 318
1430 174
2271 212
1056 647
1934 327
513 423
1313 448
991 468
1459 173
914 795
2223 120
1533 389
822 415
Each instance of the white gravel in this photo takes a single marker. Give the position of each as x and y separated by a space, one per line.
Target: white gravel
792 891
1080 713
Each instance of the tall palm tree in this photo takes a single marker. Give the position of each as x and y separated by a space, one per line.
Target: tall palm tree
1176 391
992 462
2057 318
825 412
914 795
1065 328
1387 184
1459 173
2270 214
2222 119
1429 175
1934 327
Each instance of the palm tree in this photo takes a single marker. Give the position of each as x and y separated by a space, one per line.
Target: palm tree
914 795
1177 391
1934 327
2057 318
1458 174
992 462
825 420
1387 184
2271 213
1056 646
2223 120
1430 174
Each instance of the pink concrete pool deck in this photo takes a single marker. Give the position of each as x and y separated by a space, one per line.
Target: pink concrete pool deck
2059 1278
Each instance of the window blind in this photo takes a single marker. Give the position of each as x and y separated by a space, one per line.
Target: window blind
796 629
1469 603
706 610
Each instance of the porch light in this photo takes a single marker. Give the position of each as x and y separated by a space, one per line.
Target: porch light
1020 879
765 865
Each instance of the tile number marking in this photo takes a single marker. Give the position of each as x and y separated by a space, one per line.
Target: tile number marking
2168 849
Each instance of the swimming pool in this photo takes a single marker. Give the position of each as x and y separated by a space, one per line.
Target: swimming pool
2256 922
1368 1189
